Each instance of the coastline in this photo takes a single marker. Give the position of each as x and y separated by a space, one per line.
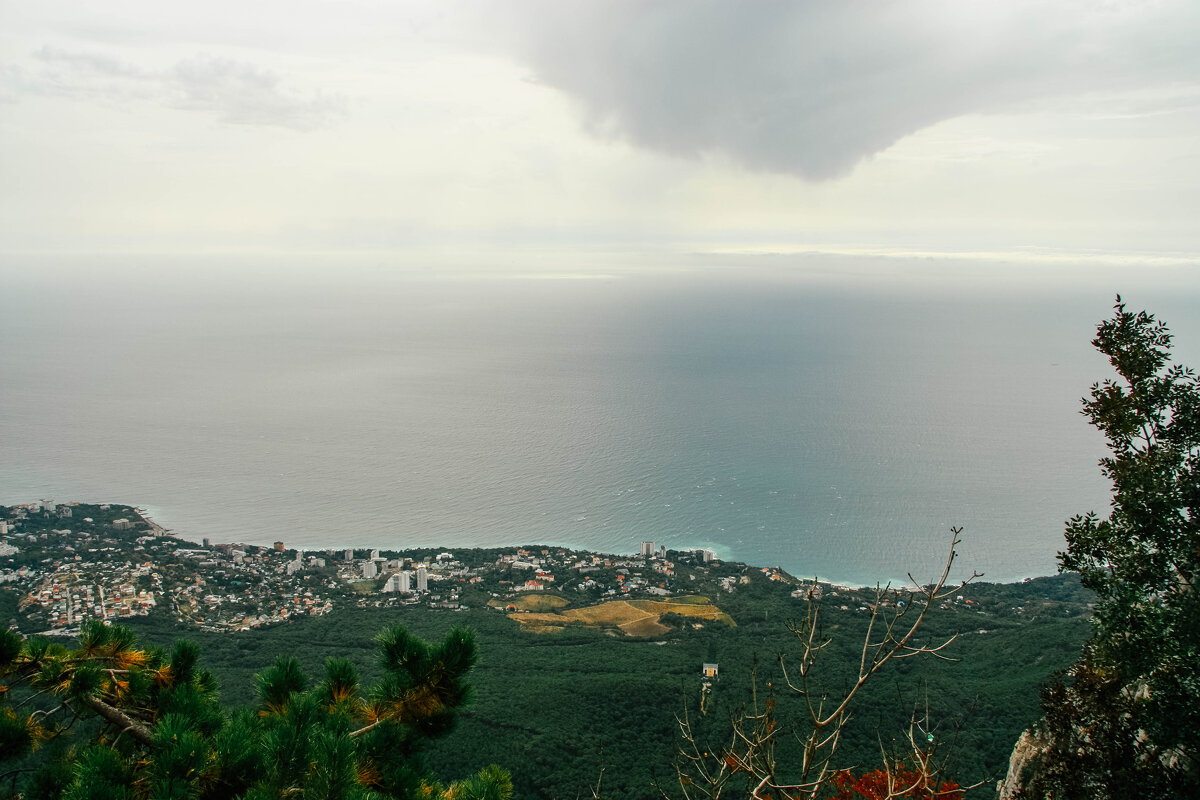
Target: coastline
722 552
159 530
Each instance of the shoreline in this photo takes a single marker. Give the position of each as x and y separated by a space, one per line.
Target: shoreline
837 584
157 529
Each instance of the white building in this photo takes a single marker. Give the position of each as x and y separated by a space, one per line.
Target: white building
647 549
422 579
369 570
399 582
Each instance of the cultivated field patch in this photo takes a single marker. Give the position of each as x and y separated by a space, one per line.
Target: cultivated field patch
630 617
646 626
707 611
616 612
533 602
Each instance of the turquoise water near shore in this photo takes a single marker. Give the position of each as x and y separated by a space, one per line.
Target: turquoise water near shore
833 426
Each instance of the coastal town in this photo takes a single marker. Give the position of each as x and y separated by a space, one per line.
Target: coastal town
64 563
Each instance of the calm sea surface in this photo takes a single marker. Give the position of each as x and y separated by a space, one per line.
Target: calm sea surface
833 427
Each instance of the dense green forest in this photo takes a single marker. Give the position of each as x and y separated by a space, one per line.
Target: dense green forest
560 710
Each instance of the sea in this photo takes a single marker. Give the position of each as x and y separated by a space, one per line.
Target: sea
833 415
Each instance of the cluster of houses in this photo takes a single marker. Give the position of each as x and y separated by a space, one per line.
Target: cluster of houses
72 562
66 601
403 575
111 562
591 571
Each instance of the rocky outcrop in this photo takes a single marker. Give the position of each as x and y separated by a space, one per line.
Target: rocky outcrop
1028 748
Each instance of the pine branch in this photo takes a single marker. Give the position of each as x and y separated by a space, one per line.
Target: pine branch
119 718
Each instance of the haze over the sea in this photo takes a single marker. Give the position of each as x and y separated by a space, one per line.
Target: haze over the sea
806 282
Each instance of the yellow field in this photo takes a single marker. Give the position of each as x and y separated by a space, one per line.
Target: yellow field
631 617
537 602
553 619
617 612
647 626
688 608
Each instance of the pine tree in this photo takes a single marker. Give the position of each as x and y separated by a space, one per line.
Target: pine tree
155 728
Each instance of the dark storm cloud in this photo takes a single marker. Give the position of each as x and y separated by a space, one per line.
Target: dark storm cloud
813 88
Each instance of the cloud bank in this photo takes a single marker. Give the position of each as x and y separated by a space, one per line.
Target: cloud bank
235 92
811 88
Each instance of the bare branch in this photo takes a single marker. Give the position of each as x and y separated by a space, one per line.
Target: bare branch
891 632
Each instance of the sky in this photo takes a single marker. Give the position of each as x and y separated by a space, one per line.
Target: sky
440 131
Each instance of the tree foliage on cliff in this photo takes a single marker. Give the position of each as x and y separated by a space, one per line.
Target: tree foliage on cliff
109 720
1126 723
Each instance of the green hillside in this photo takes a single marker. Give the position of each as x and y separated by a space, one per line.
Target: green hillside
560 709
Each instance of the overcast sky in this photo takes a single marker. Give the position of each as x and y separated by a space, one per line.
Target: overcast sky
928 126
